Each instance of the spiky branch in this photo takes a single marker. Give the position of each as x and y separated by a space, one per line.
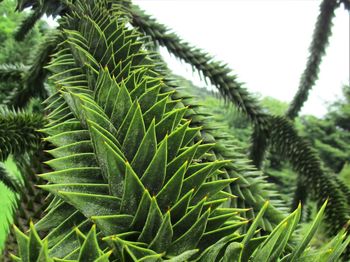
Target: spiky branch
49 7
13 72
259 145
34 78
285 142
320 40
27 24
8 180
303 159
322 32
18 132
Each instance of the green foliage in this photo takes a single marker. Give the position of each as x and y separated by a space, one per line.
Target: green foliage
238 248
305 162
12 51
151 144
15 56
8 19
18 135
340 110
12 72
274 106
260 138
226 116
19 132
139 172
8 180
330 135
251 187
32 248
27 24
12 75
33 82
345 174
8 198
331 142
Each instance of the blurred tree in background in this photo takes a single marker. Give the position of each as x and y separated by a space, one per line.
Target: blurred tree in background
13 51
330 135
18 53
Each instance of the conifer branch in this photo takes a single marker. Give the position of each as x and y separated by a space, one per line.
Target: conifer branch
23 4
217 72
9 181
300 194
259 145
13 72
49 7
285 141
317 49
305 162
19 132
27 24
33 80
320 40
344 188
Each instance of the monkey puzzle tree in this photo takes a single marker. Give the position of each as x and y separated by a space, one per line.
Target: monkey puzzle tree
137 171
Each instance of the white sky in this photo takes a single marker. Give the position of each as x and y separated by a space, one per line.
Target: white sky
264 42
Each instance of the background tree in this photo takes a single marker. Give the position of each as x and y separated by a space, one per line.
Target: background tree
15 58
330 134
14 52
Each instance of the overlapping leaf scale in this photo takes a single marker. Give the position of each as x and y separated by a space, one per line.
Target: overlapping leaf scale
251 187
233 247
72 147
32 248
72 140
124 157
